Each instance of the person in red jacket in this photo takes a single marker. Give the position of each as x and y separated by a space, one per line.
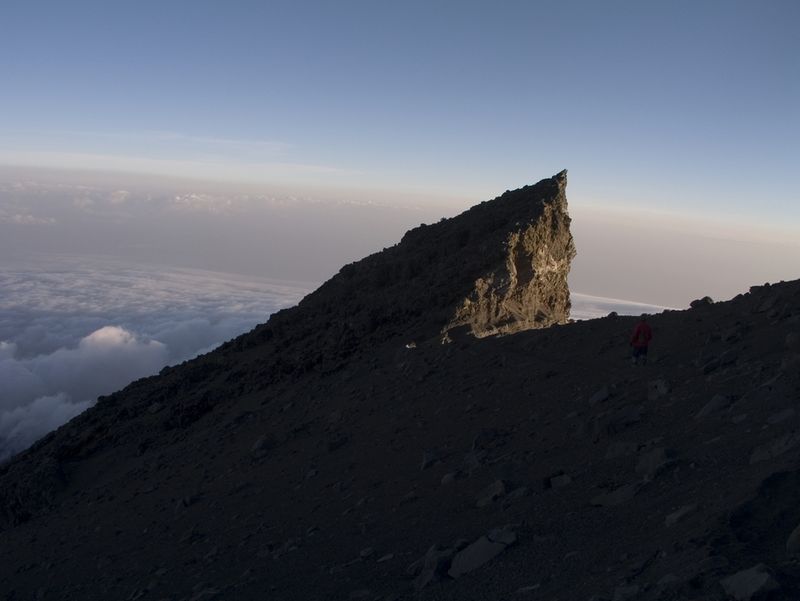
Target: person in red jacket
641 337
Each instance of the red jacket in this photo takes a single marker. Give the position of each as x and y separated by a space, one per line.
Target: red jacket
642 335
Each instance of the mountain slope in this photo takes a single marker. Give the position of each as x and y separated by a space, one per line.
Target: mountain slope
289 465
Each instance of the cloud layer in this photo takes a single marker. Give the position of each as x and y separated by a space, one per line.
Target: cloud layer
74 329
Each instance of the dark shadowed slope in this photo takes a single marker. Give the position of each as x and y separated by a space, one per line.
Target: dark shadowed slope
537 465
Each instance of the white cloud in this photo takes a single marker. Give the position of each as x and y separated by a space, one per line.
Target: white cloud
585 306
72 329
22 426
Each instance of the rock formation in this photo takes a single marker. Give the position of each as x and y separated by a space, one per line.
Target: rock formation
528 289
320 458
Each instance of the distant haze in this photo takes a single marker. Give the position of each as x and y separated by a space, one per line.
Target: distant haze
307 235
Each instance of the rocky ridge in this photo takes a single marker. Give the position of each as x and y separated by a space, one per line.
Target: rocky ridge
540 465
500 266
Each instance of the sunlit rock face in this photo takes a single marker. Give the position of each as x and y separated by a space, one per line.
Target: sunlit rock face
497 268
528 287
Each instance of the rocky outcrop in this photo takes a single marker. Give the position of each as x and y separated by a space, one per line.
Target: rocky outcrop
528 289
498 268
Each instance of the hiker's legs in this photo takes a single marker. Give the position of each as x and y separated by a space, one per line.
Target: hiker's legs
639 355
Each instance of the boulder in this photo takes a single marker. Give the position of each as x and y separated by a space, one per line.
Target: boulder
749 584
617 496
492 492
432 567
474 556
701 302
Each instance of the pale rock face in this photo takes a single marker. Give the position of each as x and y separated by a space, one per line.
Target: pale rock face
527 289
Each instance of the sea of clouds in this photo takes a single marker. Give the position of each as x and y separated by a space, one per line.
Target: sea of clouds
586 306
74 328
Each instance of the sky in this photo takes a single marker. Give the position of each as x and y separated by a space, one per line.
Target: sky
678 105
173 172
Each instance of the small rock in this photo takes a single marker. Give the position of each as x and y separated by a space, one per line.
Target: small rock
717 404
432 567
676 516
474 556
617 496
793 542
621 419
729 357
502 535
747 584
493 492
474 459
731 335
410 497
337 442
448 479
262 446
367 552
560 481
599 396
657 389
517 493
484 439
429 457
385 558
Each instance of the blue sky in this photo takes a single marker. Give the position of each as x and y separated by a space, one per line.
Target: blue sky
682 106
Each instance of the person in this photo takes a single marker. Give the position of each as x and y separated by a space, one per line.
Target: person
640 339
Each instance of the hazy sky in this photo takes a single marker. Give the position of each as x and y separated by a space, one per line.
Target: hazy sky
685 105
